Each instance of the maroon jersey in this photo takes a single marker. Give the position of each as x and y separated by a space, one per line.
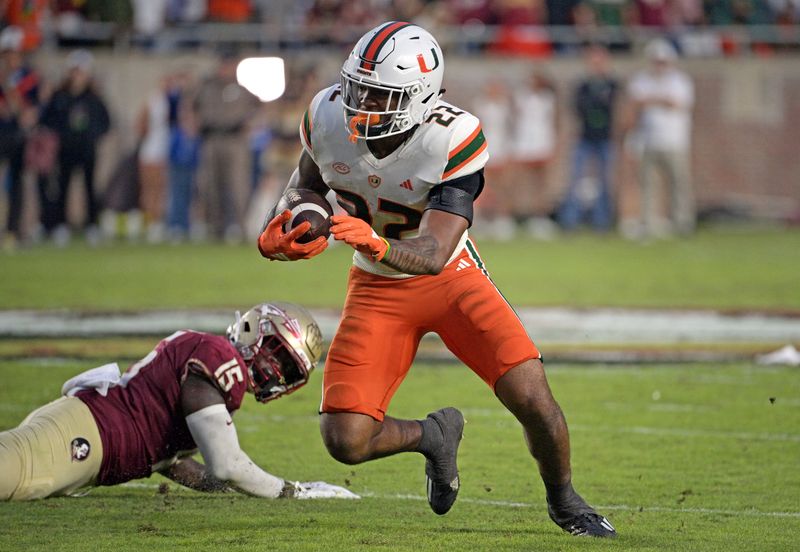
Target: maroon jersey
140 421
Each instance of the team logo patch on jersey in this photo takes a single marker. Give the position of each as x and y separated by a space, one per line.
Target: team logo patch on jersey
374 180
341 168
80 449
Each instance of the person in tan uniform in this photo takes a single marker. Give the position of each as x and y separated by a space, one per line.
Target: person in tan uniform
223 108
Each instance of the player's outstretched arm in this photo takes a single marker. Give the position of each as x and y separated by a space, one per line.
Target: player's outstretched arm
192 474
225 462
212 429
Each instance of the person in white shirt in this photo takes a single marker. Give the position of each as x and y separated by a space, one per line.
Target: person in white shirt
662 98
535 140
494 109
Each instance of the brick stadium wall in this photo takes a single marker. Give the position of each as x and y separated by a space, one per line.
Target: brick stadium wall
746 121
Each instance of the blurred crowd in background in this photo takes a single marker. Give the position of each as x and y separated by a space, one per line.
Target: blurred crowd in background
531 26
208 159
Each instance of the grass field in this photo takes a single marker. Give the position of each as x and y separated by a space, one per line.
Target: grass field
679 457
710 465
723 269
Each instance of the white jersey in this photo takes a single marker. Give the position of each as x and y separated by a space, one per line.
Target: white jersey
391 193
661 128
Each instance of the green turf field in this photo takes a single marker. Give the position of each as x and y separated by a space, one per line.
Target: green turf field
679 457
694 457
722 268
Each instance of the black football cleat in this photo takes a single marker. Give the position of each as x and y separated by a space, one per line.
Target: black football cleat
441 471
587 524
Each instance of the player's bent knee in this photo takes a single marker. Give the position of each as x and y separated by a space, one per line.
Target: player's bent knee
345 442
524 389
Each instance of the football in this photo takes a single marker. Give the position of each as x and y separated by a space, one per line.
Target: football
307 205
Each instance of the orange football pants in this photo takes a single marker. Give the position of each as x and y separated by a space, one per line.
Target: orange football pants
384 319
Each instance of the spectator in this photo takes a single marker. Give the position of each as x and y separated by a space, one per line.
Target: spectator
472 11
184 159
121 216
78 114
785 12
154 132
493 107
594 105
186 11
534 149
407 10
223 109
652 13
520 32
19 104
149 18
26 15
560 12
662 98
229 11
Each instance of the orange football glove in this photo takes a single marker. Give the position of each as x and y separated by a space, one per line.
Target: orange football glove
359 235
276 245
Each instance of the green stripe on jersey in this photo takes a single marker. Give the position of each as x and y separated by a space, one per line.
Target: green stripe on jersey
466 152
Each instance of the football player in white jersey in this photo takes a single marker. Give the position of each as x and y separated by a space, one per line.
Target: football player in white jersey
407 166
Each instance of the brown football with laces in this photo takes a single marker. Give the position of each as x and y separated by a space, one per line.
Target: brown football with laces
306 205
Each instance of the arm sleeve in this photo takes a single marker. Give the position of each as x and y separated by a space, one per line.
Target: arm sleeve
457 196
213 431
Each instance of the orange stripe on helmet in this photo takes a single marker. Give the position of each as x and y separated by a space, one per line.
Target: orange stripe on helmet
369 56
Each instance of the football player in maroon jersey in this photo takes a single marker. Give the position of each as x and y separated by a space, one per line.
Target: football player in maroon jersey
108 429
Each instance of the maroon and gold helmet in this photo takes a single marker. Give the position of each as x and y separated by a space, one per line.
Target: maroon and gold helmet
280 344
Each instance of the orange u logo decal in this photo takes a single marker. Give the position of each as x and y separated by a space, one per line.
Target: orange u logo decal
424 66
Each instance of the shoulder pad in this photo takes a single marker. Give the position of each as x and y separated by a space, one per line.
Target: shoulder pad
313 118
467 151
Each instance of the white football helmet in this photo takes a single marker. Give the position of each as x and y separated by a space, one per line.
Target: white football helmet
391 80
280 344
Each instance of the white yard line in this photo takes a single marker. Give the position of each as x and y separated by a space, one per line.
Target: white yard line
547 325
616 507
701 433
509 504
504 418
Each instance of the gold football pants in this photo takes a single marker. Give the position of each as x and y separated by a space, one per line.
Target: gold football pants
55 451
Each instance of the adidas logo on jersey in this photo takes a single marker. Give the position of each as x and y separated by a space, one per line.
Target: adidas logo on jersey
462 264
407 185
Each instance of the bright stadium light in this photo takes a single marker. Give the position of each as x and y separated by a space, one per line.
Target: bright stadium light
262 76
